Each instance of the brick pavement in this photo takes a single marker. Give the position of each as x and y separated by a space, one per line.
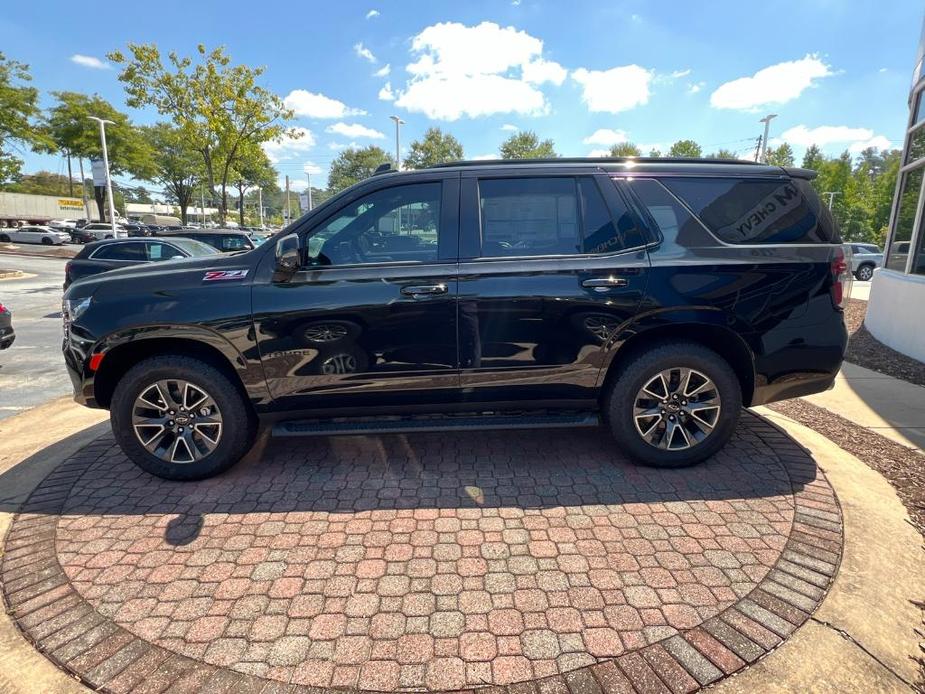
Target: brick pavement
539 561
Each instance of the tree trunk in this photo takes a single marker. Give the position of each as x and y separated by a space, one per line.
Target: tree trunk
99 194
241 204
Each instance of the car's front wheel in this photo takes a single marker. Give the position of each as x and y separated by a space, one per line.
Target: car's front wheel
180 418
674 405
864 273
5 238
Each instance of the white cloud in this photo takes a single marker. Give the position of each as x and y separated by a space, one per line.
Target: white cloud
599 153
372 13
311 105
90 62
484 157
825 135
312 168
337 146
296 185
354 130
776 84
386 93
508 127
695 87
614 90
605 136
363 52
680 73
383 71
450 80
883 69
288 147
877 142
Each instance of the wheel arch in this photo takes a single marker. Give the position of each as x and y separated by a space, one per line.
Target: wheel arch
121 357
722 340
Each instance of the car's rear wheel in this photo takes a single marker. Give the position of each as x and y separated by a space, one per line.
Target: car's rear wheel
674 405
5 238
46 241
864 273
180 418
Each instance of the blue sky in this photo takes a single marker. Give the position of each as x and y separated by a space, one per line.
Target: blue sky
584 73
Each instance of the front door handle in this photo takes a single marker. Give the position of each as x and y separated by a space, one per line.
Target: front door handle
602 284
424 290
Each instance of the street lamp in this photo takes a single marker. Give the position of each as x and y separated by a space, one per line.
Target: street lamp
398 123
112 207
764 140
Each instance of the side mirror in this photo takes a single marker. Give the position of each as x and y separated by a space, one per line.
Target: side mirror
288 256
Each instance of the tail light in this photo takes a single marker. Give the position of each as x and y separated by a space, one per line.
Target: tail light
841 279
4 309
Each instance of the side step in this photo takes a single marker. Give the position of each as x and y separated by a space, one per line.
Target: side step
404 425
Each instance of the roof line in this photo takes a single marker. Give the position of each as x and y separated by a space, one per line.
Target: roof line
595 160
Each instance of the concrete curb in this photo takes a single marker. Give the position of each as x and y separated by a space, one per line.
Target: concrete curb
65 252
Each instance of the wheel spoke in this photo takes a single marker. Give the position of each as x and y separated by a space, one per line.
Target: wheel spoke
188 425
676 431
660 382
154 397
193 397
685 412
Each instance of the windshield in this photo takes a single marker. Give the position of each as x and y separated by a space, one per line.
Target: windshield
194 247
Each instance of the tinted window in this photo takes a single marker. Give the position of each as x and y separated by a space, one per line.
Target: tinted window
915 148
122 251
398 224
235 243
162 251
749 211
676 223
905 219
599 233
529 216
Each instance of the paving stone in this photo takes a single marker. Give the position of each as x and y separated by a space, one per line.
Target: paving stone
696 664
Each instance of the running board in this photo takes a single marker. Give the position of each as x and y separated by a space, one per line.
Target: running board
406 425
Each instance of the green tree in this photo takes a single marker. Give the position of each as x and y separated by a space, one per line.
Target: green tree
353 165
685 148
625 149
813 158
18 112
436 147
780 156
68 128
723 154
177 165
655 153
220 107
526 145
40 183
253 168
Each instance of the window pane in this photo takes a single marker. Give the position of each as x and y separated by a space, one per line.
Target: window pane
123 251
919 109
678 226
161 251
915 149
529 216
398 224
600 234
748 211
905 219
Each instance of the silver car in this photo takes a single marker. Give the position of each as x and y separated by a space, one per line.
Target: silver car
864 258
35 234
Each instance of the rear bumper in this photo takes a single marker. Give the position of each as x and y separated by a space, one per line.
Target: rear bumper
7 337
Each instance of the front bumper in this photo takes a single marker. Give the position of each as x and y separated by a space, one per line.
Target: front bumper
7 336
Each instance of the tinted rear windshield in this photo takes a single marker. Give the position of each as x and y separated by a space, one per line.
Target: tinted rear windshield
750 211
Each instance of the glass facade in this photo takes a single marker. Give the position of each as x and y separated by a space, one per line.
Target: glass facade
905 248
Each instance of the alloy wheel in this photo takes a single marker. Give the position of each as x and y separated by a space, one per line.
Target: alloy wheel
676 409
865 273
177 421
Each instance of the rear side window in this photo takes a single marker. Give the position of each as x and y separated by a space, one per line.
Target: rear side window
756 211
122 251
600 233
529 216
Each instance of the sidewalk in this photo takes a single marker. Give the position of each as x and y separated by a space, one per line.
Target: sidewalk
883 404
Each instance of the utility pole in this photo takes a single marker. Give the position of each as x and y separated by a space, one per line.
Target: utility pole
260 204
764 140
288 207
112 207
308 191
398 123
202 207
757 147
83 188
70 176
831 194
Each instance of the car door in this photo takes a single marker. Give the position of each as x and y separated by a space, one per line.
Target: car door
370 319
550 268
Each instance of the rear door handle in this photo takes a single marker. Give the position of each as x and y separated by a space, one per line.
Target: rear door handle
602 284
424 290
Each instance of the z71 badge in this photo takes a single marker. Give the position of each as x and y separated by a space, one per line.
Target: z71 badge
221 275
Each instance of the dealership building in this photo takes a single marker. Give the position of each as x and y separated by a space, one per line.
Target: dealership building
897 296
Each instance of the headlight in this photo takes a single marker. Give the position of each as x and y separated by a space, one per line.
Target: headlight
71 309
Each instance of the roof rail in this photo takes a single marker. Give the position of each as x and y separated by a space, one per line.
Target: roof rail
596 160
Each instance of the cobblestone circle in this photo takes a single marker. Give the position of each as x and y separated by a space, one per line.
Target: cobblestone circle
425 562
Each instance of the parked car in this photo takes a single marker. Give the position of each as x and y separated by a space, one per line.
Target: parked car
644 295
136 230
101 230
225 240
7 334
35 234
102 256
865 258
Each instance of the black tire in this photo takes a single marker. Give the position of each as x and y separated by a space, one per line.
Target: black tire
864 273
47 241
239 427
639 370
5 238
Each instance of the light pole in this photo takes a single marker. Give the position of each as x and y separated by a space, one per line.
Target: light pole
764 140
112 207
398 123
831 194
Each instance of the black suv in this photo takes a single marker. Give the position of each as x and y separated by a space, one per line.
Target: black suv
656 297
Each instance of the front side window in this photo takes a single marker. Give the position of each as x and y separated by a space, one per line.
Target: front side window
755 211
394 225
898 252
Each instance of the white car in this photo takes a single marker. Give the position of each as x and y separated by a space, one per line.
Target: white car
103 230
35 234
864 258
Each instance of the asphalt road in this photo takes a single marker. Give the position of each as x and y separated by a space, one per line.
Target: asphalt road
32 370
